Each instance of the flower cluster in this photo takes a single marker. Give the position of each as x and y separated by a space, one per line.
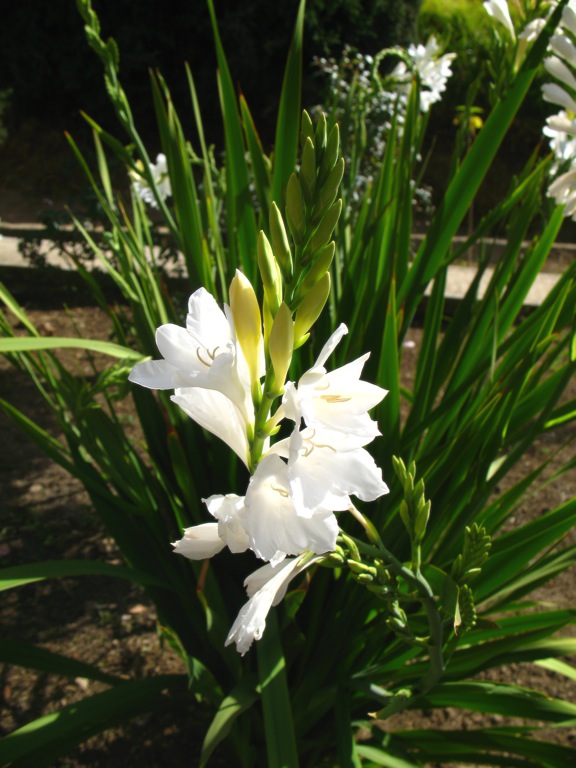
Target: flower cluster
215 365
561 127
433 72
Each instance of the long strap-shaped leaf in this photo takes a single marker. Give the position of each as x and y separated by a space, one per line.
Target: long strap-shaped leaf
288 124
19 575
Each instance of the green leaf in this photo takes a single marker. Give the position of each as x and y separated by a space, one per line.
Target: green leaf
239 700
288 123
508 700
36 343
24 655
18 575
40 742
280 738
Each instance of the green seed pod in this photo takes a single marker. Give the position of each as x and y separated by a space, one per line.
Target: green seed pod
312 305
323 234
295 209
280 243
308 171
319 268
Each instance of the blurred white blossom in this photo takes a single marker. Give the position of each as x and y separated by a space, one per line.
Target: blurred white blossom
159 171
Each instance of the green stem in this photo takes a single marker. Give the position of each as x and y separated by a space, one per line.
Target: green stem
263 404
416 580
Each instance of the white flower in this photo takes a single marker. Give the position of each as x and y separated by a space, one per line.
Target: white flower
326 467
202 363
203 541
266 587
199 542
338 400
159 171
563 190
274 527
498 9
433 70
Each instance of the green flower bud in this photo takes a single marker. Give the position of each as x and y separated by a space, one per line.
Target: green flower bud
281 343
306 128
320 135
308 171
329 191
331 154
362 568
311 307
270 274
324 232
280 243
295 209
319 268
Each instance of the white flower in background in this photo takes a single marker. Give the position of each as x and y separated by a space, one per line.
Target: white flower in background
337 400
266 587
159 171
563 190
498 9
561 133
433 70
206 367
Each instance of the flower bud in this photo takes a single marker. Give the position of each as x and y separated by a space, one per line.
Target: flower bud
328 191
326 227
319 268
295 209
281 343
308 171
280 243
331 153
270 273
247 322
312 305
320 135
306 128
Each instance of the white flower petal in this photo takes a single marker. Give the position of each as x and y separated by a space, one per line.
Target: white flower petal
266 587
498 9
213 411
199 542
230 512
273 524
560 71
556 95
331 345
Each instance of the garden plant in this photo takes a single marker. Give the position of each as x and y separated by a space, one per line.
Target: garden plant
385 563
